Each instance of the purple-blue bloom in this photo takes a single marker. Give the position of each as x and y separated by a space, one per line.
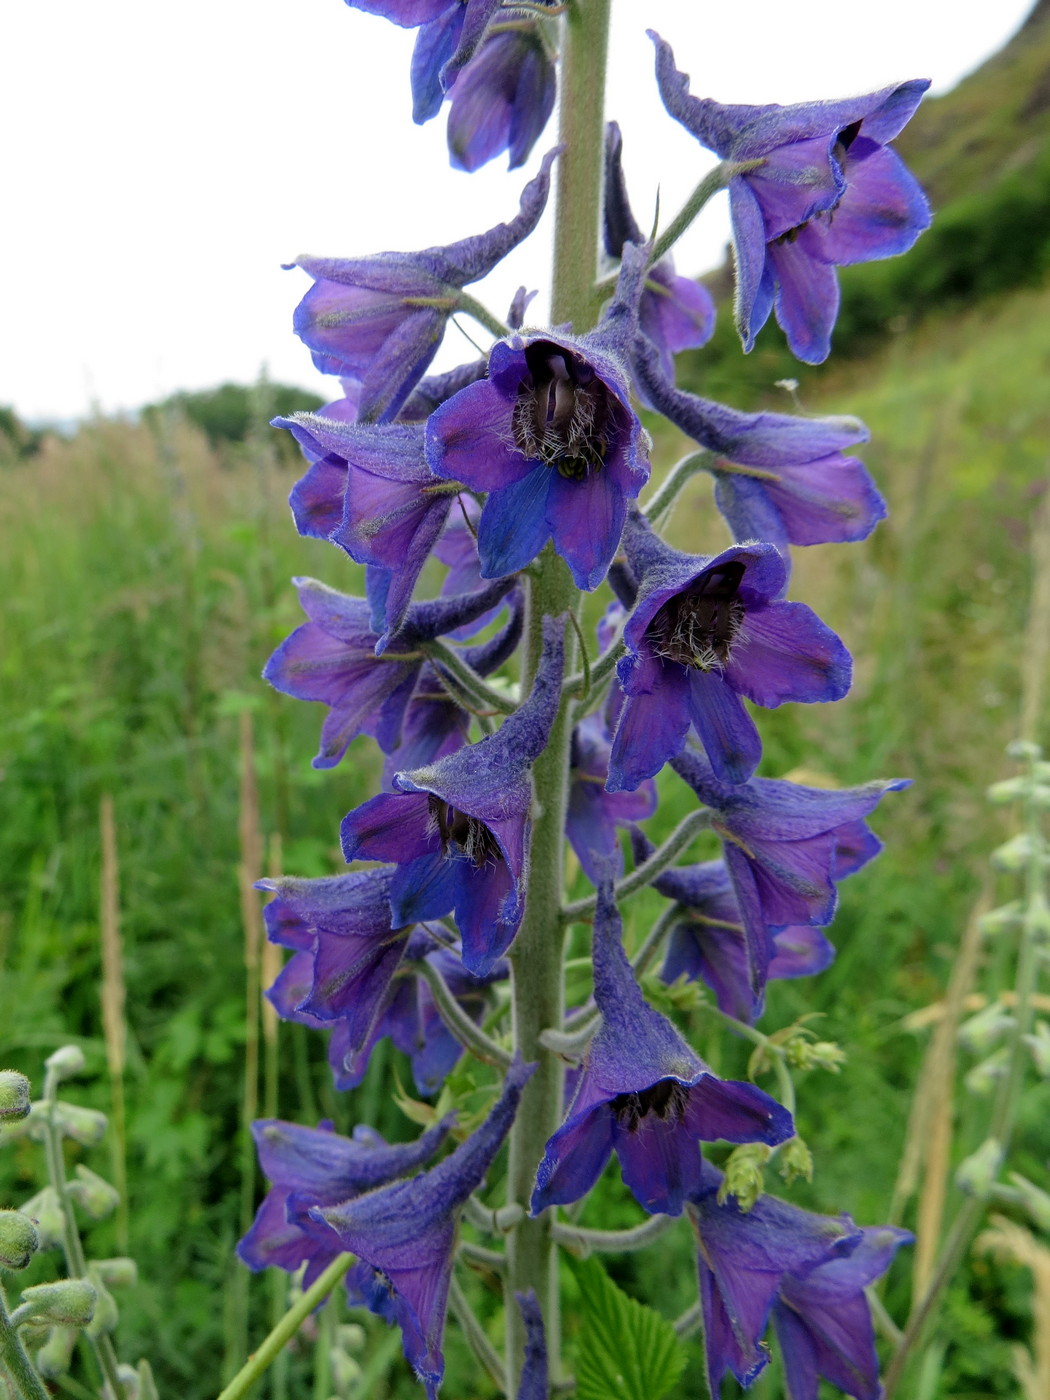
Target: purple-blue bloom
405 1234
785 846
823 1319
533 1385
703 633
674 313
829 192
551 436
502 99
334 660
379 320
779 478
310 1167
458 829
743 1258
594 815
646 1095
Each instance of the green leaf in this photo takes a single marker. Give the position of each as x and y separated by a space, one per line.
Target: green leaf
626 1351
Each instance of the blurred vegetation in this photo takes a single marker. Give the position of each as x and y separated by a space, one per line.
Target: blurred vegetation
146 580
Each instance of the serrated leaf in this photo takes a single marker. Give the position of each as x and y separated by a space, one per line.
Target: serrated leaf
626 1351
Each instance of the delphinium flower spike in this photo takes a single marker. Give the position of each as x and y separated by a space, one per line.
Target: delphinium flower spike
379 320
458 829
829 192
404 1235
644 1094
704 632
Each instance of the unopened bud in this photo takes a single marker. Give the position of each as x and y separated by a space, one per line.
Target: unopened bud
796 1161
801 1053
981 1032
352 1336
117 1273
106 1316
56 1355
66 1062
1039 1045
1034 1201
976 1175
129 1382
45 1210
1008 791
1038 918
95 1197
346 1372
1022 749
1018 852
83 1125
983 1078
70 1302
1006 919
14 1096
743 1174
147 1385
18 1239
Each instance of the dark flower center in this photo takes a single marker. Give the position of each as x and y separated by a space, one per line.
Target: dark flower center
839 150
666 1098
698 626
561 413
462 834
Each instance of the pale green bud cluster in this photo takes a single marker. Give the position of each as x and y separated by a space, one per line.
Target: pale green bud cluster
743 1174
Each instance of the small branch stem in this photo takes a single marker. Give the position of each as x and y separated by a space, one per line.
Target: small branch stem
458 1022
15 1362
683 835
476 1338
484 317
688 1321
451 666
665 495
613 1241
293 1319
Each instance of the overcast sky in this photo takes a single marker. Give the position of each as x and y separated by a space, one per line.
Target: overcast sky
164 160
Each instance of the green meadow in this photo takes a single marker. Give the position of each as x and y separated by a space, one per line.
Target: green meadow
146 575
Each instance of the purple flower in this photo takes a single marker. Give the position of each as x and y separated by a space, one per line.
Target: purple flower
743 1259
501 100
703 633
593 814
708 943
823 1320
674 313
830 192
405 1234
533 1384
333 659
552 438
645 1095
380 320
458 829
780 479
785 847
311 1167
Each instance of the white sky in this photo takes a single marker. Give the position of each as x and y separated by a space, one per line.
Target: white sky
164 160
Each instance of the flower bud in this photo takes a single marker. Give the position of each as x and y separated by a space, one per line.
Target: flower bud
117 1273
1038 918
14 1096
147 1385
976 1175
743 1174
95 1197
106 1316
1039 1045
796 1161
1008 791
1006 919
346 1372
1034 1201
1016 853
18 1239
66 1062
352 1336
70 1302
83 1125
983 1078
1022 749
56 1355
981 1032
801 1053
129 1382
45 1210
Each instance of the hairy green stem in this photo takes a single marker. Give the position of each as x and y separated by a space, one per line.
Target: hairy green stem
269 1349
466 1031
684 833
450 666
482 315
476 1338
15 1362
664 497
537 952
582 1240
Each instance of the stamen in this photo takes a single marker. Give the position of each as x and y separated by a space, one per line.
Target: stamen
666 1099
699 626
561 413
462 834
